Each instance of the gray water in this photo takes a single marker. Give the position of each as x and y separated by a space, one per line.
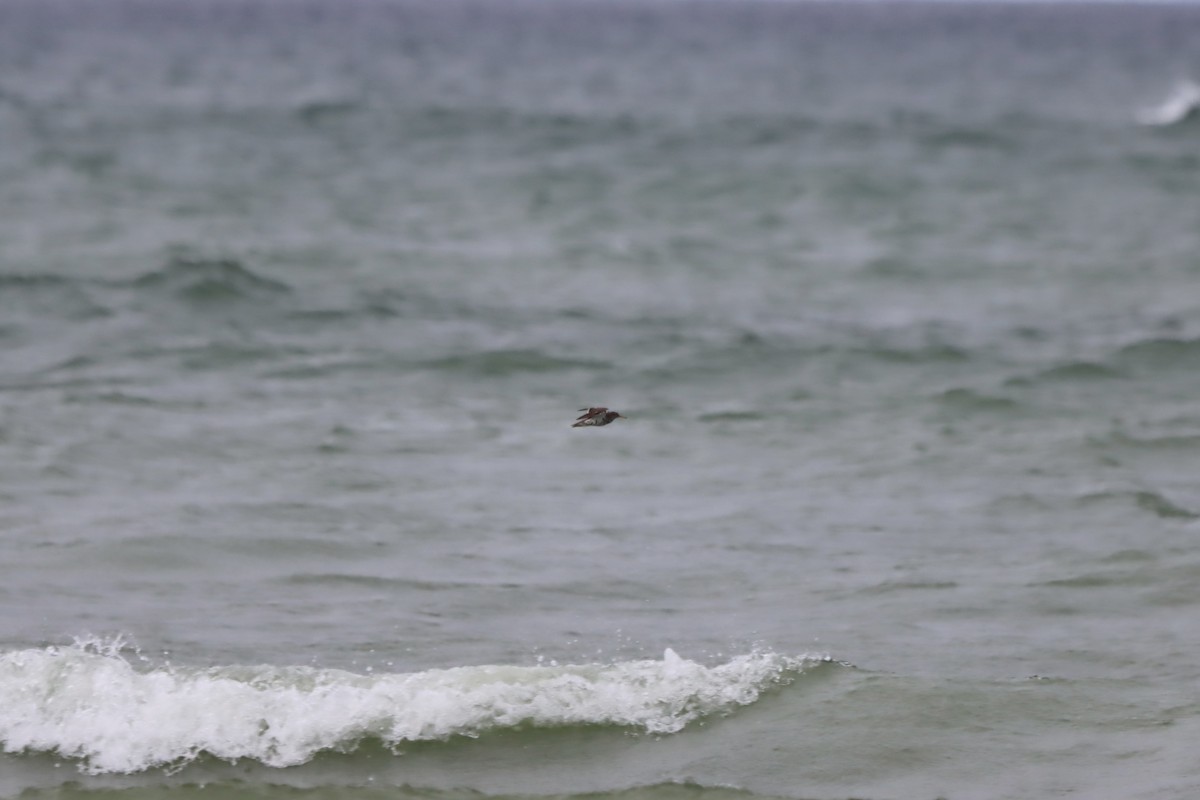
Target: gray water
298 301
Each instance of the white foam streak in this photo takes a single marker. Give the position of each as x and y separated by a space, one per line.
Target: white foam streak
97 707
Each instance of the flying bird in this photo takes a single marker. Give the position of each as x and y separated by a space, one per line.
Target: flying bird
597 416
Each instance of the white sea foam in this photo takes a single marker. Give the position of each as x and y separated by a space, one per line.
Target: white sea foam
1181 104
92 704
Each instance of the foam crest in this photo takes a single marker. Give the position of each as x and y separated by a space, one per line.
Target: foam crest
1183 103
92 704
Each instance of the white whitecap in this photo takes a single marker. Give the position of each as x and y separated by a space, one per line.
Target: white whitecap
95 706
1182 103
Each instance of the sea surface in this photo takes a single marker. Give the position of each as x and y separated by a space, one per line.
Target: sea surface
299 300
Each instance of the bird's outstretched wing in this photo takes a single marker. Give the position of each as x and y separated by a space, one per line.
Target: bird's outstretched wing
594 411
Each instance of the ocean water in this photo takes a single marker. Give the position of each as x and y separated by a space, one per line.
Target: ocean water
299 299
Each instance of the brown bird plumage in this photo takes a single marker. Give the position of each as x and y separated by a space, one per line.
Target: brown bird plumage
596 416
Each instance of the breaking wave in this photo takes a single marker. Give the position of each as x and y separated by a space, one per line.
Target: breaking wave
90 703
1182 104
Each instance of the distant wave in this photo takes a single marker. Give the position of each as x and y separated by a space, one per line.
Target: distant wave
1183 103
53 296
198 283
503 362
1184 441
179 273
1161 353
1080 372
968 400
210 281
88 702
1152 502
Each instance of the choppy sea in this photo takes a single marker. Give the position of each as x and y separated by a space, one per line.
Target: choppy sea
299 300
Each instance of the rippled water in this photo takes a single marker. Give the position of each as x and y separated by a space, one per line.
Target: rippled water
298 301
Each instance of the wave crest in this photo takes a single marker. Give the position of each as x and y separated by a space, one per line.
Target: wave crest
210 281
90 703
1183 103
